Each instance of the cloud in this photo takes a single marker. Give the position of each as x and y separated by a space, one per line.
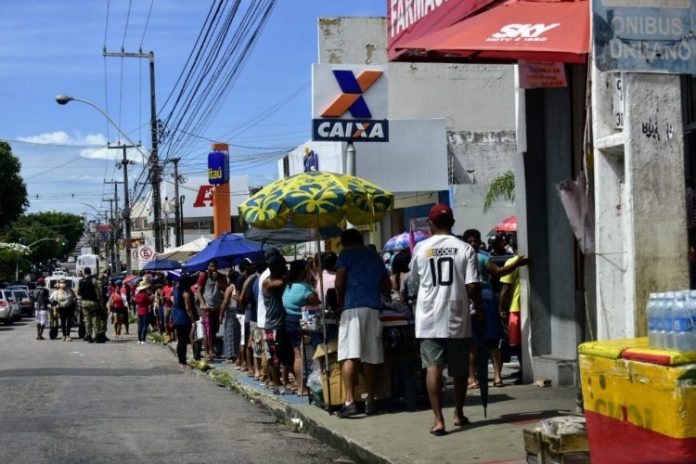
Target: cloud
63 138
95 145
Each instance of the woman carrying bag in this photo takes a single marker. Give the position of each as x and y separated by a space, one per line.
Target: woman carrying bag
183 315
65 299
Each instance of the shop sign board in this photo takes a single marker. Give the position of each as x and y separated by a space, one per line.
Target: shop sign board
408 20
542 74
645 35
218 167
618 101
349 103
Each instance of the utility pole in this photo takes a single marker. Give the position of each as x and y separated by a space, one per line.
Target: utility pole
126 204
116 227
155 168
112 241
179 234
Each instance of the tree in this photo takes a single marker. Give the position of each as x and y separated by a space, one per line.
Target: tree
501 188
67 228
13 191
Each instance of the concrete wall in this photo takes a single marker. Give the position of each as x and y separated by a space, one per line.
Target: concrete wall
476 100
641 233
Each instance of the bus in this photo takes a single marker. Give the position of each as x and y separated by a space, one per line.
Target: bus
90 261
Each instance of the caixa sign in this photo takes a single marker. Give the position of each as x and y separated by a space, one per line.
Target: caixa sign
350 130
218 167
349 103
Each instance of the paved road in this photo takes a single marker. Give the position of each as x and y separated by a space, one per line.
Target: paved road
124 403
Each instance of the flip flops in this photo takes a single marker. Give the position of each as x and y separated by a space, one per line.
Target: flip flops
438 432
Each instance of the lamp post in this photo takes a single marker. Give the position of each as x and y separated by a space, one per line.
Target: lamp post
153 162
57 240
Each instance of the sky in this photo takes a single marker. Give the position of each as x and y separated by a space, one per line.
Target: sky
50 47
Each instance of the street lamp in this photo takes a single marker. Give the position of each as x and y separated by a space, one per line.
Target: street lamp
152 161
57 240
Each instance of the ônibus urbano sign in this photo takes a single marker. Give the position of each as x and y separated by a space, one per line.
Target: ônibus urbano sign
349 103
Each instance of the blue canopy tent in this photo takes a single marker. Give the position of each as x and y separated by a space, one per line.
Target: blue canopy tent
228 250
162 265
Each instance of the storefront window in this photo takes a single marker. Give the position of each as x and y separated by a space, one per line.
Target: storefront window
689 112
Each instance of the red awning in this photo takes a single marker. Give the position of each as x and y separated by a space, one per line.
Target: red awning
550 30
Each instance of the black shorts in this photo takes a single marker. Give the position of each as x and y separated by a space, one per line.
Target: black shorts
279 345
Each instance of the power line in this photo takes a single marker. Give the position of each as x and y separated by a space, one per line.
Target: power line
125 29
147 23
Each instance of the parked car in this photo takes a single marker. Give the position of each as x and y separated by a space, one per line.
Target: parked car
15 314
24 299
5 309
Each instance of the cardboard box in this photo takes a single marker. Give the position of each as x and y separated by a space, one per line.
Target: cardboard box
335 382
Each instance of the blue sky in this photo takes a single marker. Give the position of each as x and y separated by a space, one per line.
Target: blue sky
49 47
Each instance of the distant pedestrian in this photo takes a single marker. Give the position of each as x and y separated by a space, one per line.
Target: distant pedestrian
211 289
182 316
361 281
232 331
118 308
281 354
91 296
298 293
143 304
65 300
447 271
41 299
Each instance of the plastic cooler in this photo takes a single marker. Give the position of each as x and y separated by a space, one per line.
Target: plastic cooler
640 403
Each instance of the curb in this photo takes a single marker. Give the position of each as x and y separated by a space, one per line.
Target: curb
289 415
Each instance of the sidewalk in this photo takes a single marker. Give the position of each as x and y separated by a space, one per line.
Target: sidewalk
402 437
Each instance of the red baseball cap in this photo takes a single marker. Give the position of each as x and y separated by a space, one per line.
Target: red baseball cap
440 210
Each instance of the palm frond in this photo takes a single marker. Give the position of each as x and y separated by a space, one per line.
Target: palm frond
501 188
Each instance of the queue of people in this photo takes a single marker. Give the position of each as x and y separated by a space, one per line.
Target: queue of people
251 316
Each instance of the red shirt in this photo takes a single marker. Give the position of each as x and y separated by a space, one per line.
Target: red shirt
117 301
167 291
142 303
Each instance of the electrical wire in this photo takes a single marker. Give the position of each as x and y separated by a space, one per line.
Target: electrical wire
147 23
125 29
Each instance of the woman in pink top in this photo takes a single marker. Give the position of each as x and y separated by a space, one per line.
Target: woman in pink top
143 301
328 274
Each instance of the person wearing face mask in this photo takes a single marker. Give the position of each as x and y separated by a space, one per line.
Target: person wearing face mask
64 298
211 289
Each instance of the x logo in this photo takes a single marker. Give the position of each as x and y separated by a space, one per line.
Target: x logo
351 98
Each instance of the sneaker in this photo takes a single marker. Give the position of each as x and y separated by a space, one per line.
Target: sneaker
348 410
67 339
88 339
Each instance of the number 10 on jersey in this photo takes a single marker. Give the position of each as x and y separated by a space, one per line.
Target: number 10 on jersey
442 270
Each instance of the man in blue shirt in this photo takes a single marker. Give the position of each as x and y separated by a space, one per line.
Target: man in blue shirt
361 280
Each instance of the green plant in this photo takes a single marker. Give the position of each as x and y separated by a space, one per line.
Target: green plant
501 188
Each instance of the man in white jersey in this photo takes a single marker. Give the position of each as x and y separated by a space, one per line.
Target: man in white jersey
447 271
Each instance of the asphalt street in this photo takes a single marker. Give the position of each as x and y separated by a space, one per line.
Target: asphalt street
119 402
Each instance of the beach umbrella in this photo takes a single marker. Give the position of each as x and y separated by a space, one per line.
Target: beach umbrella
509 224
228 249
129 278
315 200
402 241
162 265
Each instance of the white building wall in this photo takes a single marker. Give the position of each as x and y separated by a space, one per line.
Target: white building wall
477 102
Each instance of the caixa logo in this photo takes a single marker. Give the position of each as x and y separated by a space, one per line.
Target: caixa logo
522 33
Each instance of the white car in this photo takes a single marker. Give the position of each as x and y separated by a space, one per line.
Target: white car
14 313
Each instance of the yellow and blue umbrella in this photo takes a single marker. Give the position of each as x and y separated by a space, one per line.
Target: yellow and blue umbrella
316 200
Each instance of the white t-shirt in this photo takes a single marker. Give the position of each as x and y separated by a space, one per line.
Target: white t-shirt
260 305
443 265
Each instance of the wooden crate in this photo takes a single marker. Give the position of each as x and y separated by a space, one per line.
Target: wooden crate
550 449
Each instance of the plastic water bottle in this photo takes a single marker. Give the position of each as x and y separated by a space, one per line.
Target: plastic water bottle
665 340
659 319
691 314
651 311
681 321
